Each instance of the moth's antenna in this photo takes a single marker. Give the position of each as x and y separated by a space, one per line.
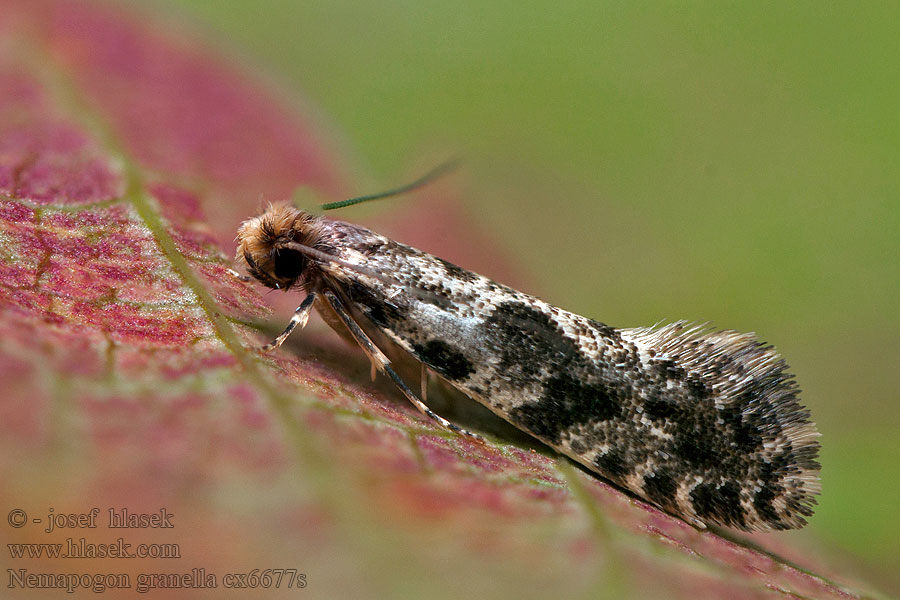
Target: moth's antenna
330 258
420 182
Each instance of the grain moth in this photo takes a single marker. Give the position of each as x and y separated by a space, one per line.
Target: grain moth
702 423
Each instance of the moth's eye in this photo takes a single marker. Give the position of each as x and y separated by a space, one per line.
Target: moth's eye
288 264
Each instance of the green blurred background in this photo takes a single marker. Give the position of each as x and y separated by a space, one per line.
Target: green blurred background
738 163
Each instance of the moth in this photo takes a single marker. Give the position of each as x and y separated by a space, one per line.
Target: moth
703 423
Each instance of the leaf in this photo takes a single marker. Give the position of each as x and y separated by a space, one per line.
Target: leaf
132 380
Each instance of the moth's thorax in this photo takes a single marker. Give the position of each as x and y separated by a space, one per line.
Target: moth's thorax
263 245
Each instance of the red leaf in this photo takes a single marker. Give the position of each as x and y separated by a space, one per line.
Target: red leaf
131 379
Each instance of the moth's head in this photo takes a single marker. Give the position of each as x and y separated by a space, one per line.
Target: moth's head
263 245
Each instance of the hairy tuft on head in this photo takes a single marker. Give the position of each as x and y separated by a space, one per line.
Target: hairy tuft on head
264 245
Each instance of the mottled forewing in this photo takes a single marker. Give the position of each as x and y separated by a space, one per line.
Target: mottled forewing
702 423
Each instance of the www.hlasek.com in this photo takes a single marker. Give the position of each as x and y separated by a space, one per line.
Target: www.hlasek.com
81 548
144 582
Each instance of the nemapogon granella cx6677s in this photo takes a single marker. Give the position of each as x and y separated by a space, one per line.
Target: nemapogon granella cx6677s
704 424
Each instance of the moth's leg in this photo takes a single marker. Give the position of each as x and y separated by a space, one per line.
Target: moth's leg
377 358
424 383
301 316
384 364
238 276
